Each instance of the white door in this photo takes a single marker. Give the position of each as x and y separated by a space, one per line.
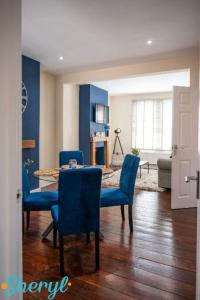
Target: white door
196 178
184 146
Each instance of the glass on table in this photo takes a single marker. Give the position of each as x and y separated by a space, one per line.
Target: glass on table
72 163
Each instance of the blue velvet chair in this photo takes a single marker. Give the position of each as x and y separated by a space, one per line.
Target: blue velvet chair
65 156
37 201
78 206
124 194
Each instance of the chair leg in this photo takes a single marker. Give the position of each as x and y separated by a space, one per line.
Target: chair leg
54 236
97 249
28 219
130 216
61 255
122 213
88 237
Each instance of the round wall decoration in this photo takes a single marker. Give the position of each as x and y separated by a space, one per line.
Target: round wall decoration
24 97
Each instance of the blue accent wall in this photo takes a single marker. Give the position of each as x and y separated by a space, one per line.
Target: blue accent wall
31 116
84 121
89 95
100 96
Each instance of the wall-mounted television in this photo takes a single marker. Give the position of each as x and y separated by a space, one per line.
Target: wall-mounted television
101 113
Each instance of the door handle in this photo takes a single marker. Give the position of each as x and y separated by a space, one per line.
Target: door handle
19 195
190 178
196 178
174 150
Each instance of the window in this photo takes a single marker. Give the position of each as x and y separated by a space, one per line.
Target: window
152 124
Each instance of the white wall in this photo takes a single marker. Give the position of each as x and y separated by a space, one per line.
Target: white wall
70 139
11 147
121 116
47 120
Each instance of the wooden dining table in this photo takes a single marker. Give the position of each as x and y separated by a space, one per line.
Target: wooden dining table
52 176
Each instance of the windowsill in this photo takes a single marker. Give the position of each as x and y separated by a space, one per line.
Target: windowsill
156 151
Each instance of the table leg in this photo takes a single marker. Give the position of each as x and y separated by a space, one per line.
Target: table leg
140 171
148 167
47 231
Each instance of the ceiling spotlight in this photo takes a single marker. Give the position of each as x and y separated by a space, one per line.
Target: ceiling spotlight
61 57
149 42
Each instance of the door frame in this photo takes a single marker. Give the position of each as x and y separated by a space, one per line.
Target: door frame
10 150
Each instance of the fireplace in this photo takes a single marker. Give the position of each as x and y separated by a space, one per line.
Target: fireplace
93 142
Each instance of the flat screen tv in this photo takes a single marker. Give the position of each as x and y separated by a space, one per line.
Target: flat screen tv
101 113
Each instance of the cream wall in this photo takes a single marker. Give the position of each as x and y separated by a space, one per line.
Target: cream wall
121 116
47 120
70 130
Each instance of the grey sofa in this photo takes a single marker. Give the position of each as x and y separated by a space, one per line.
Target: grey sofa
164 172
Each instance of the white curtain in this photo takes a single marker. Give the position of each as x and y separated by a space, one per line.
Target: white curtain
152 124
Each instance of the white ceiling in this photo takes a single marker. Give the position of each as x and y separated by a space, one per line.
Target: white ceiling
90 33
145 84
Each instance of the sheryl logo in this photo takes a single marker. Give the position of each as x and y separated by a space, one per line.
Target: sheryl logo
14 285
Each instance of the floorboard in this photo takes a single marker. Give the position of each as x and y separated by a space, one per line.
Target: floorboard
158 261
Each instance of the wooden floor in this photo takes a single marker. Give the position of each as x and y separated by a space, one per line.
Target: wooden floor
156 262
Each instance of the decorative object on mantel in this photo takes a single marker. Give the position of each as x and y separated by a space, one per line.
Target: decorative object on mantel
99 134
28 144
93 141
147 182
107 128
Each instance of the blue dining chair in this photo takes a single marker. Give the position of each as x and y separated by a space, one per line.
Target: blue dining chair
65 156
78 207
124 194
36 201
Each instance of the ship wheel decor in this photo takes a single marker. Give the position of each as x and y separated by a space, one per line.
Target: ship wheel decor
24 97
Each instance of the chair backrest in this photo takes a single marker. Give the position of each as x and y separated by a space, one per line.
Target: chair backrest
65 156
25 183
79 200
128 175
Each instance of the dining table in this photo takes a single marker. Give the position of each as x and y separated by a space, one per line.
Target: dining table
52 177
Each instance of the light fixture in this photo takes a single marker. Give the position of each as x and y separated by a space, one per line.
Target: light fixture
61 58
149 42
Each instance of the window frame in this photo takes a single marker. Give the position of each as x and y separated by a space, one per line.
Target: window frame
150 150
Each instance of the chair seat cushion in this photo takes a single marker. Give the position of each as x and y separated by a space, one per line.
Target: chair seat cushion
40 201
54 213
113 197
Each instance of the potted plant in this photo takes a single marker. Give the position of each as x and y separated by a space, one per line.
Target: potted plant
135 151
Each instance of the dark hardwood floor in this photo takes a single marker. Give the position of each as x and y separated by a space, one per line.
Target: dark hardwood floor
156 262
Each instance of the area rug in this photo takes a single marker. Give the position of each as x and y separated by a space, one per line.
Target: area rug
147 182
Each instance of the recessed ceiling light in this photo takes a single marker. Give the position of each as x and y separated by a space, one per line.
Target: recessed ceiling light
149 42
61 57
